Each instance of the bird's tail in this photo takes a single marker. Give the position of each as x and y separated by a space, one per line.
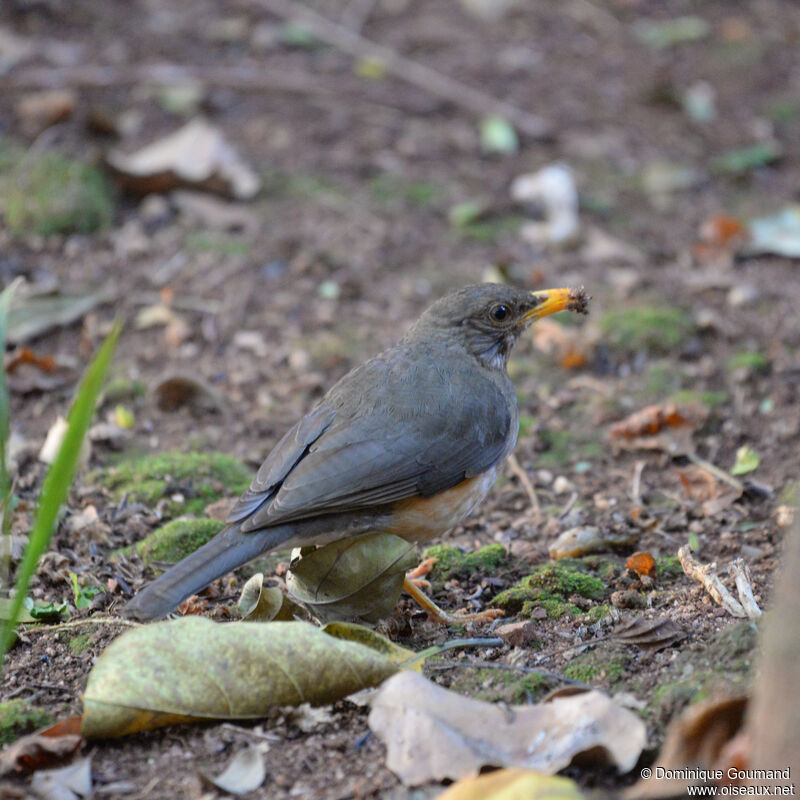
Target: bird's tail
227 550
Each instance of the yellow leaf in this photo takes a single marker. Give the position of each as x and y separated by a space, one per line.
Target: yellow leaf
194 669
513 784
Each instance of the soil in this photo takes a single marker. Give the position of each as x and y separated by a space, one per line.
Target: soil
347 243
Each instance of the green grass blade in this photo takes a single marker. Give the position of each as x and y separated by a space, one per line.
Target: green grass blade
5 426
59 477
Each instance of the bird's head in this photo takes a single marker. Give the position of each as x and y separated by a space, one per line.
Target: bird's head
487 318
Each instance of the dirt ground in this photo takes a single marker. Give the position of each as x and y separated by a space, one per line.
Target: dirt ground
349 240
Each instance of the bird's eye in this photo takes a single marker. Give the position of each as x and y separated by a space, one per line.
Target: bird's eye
500 313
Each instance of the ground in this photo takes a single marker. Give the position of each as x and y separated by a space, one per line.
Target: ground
349 240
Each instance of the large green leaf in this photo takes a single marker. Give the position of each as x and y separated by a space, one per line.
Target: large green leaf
194 669
352 579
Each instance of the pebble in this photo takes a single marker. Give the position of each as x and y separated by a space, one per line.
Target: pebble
742 294
562 485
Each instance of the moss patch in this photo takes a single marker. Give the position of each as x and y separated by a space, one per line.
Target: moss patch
668 568
597 666
79 643
175 540
455 563
558 448
201 478
657 329
18 718
500 686
550 587
749 360
48 194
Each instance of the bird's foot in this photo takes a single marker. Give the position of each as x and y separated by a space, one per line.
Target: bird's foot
416 574
436 614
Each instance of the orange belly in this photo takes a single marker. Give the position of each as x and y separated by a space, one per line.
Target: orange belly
419 519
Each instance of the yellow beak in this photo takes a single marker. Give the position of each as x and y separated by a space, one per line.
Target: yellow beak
553 300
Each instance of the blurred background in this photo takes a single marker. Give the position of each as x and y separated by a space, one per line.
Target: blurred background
269 191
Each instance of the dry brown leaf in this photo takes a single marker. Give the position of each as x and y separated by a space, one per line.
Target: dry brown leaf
263 601
642 564
513 784
197 157
649 633
666 427
181 391
36 751
432 734
697 739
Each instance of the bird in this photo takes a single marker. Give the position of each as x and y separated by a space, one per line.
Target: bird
407 443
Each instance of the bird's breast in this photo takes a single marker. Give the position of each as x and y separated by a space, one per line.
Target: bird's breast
419 519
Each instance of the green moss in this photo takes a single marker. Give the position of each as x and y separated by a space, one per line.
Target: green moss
528 689
709 398
668 568
175 540
453 562
550 587
558 448
499 685
596 613
47 194
489 231
203 242
750 360
79 643
18 718
390 189
201 478
657 329
598 665
118 390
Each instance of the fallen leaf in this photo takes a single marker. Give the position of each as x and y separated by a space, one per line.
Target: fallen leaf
513 784
220 671
39 110
245 772
585 539
778 234
653 634
498 136
747 460
66 783
34 316
433 734
352 579
570 347
380 644
196 156
53 440
695 740
642 564
663 426
36 751
722 230
182 391
264 602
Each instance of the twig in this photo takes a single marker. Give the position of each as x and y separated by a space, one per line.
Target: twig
405 69
744 588
636 484
706 575
568 505
76 622
715 471
523 478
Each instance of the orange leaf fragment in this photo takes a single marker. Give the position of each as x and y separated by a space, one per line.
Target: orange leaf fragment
722 230
643 564
649 421
26 356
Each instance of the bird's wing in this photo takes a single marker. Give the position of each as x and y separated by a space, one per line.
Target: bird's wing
412 430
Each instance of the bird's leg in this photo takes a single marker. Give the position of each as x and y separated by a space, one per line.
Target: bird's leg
437 614
416 574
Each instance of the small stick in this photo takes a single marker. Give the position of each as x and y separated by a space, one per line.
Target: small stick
744 588
636 484
405 69
715 471
706 575
523 478
76 622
